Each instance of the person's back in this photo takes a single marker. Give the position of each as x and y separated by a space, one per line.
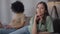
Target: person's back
18 20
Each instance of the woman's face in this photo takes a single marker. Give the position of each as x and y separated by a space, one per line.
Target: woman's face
40 9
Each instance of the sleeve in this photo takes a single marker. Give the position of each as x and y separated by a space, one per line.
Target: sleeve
49 24
31 24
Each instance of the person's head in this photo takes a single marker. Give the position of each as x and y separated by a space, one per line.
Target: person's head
42 8
17 7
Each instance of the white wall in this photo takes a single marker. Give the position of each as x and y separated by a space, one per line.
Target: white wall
5 13
0 10
30 6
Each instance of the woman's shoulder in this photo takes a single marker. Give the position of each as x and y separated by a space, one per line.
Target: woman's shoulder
49 17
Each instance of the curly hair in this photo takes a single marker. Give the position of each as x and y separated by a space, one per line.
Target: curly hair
17 7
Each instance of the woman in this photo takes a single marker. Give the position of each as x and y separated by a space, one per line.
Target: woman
40 23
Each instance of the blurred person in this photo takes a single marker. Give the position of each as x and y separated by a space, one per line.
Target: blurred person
18 21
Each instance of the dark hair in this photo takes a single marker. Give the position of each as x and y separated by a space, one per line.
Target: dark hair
46 13
45 5
17 7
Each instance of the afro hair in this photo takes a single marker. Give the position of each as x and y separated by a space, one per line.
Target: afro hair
17 7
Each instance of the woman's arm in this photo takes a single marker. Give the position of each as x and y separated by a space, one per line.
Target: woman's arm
33 24
34 28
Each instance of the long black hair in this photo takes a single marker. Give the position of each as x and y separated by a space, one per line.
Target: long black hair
45 5
46 9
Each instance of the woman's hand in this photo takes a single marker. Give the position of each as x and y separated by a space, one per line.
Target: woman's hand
37 18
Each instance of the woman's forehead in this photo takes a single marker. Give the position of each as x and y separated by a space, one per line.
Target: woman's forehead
41 6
